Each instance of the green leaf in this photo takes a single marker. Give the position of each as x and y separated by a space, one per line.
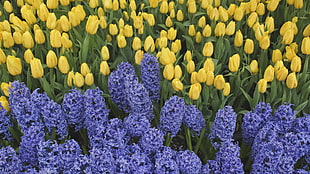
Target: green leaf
248 97
189 42
301 107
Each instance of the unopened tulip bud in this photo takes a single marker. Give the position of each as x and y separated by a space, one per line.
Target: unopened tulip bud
226 90
104 68
305 45
188 55
2 57
28 41
70 78
105 54
210 78
55 38
238 15
276 55
194 91
249 46
269 73
298 4
192 6
180 15
172 33
198 37
121 41
202 22
36 68
153 3
149 44
8 6
252 19
5 88
177 72
219 82
207 31
273 5
234 63
291 81
18 37
52 4
282 73
207 49
279 64
264 42
78 80
262 85
223 14
92 24
191 30
164 7
290 53
64 23
220 29
238 41
190 67
306 32
28 56
14 65
296 64
66 2
254 66
177 84
51 59
176 46
231 9
39 36
260 9
202 75
51 21
208 65
4 103
63 65
169 71
42 12
288 37
7 39
84 69
89 79
230 29
194 77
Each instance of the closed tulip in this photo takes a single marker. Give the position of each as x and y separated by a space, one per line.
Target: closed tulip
65 2
176 46
8 6
291 81
191 30
51 21
92 24
52 4
262 85
226 90
139 56
269 24
194 79
104 68
63 65
207 31
128 31
55 38
28 15
264 42
208 65
202 22
192 6
84 69
168 72
230 29
269 73
306 32
194 91
238 15
260 9
167 57
65 41
5 88
177 72
153 3
249 46
42 12
28 41
290 2
288 37
188 56
39 36
149 44
18 37
273 5
254 66
136 43
305 45
36 68
74 19
207 49
223 14
238 41
190 67
89 79
290 53
28 56
177 85
296 64
2 57
282 73
231 9
121 41
252 19
219 82
180 15
202 75
234 63
105 54
51 59
198 37
172 33
78 80
14 65
4 102
64 23
298 4
164 7
70 78
209 78
279 64
220 29
276 55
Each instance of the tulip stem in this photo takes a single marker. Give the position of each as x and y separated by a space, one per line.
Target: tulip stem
188 139
168 139
202 132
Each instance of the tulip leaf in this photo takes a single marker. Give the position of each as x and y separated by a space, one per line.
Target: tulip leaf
248 97
189 42
301 107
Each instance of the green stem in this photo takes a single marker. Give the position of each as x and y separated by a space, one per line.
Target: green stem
202 132
168 139
188 139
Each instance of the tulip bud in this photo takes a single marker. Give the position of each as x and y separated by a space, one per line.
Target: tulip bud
191 30
296 64
51 59
208 65
149 44
70 78
273 5
63 65
249 46
153 3
198 37
180 15
2 57
39 36
52 4
74 19
291 81
202 75
209 78
176 46
282 73
136 43
139 56
230 29
5 88
7 39
207 49
288 37
252 19
8 6
298 4
55 38
194 77
269 73
104 68
238 15
305 45
190 67
276 55
213 13
65 2
28 56
84 69
14 65
220 29
42 12
177 84
264 42
254 66
172 33
306 32
188 55
226 90
192 6
290 53
89 79
231 9
92 24
223 14
290 2
105 53
164 7
4 103
28 41
78 80
128 30
194 91
177 72
234 63
262 85
65 41
260 9
18 37
121 41
64 23
202 22
238 41
36 68
219 82
279 64
168 71
51 21
207 31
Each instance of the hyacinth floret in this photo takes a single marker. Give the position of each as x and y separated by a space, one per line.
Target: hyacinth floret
171 115
165 161
150 76
120 80
10 162
136 124
188 162
194 119
152 140
285 117
4 124
48 155
286 165
223 127
101 161
70 152
38 101
115 135
73 108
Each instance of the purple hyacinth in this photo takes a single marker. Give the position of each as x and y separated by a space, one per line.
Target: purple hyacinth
151 140
171 115
150 76
4 124
165 161
73 108
285 165
188 162
223 127
136 124
48 155
70 152
301 124
194 119
115 135
9 161
228 158
285 117
119 80
101 161
254 120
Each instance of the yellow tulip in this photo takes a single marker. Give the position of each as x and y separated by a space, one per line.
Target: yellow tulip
207 31
65 41
153 3
264 42
113 29
238 41
198 37
290 53
223 14
276 55
51 59
262 85
282 73
194 91
231 9
4 103
273 5
288 26
8 6
296 64
234 63
70 78
294 46
202 22
163 7
167 57
249 46
194 77
226 90
188 56
51 21
74 19
168 72
208 65
28 55
252 19
64 23
219 82
136 43
201 75
42 12
220 29
306 32
139 56
28 41
279 64
78 80
180 15
28 15
230 29
121 41
290 2
52 4
39 36
105 54
65 2
18 37
104 68
36 68
305 45
177 85
14 65
55 38
269 73
191 30
192 6
238 15
254 66
177 72
2 57
92 24
128 31
207 49
288 37
5 88
260 9
176 46
209 78
291 81
89 79
149 44
298 4
172 33
84 69
63 65
190 67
